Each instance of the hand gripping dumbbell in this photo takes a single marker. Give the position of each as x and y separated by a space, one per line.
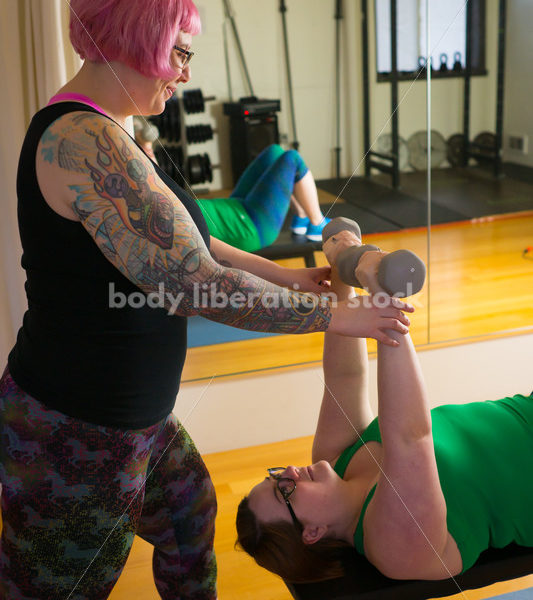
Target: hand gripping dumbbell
400 273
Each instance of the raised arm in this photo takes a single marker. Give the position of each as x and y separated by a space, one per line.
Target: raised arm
345 411
406 535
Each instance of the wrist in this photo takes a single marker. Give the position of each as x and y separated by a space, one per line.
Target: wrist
341 290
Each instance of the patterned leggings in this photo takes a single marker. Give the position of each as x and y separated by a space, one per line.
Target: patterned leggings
74 496
265 189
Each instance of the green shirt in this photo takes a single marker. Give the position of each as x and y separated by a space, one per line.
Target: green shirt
228 221
484 453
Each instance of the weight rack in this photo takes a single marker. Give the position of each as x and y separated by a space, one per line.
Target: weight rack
471 149
392 160
173 156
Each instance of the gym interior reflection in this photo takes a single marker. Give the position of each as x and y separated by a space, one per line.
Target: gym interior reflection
469 221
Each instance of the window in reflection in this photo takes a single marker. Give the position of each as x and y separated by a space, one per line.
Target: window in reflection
448 24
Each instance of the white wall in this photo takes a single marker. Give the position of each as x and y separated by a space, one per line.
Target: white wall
518 116
277 405
311 28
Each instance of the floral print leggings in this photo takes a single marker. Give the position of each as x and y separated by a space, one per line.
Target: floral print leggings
75 494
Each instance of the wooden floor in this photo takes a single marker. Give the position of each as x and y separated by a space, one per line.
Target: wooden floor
234 473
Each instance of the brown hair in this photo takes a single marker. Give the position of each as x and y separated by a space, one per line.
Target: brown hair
279 548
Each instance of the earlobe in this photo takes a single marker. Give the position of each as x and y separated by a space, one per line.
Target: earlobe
311 534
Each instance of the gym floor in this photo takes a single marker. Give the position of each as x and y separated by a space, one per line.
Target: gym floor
234 473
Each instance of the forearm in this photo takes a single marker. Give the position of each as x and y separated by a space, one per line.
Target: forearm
343 356
228 256
243 300
193 283
345 411
404 412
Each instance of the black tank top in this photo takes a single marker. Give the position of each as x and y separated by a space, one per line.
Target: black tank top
118 367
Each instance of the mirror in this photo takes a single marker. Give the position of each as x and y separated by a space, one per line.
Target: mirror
481 272
364 189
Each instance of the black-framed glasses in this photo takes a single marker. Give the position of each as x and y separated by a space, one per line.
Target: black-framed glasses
286 487
185 54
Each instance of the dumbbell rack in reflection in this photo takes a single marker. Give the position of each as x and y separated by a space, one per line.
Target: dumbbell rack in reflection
173 153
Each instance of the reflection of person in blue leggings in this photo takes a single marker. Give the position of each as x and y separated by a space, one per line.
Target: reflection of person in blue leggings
252 217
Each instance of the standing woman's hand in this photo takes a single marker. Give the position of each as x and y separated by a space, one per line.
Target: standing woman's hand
364 316
314 279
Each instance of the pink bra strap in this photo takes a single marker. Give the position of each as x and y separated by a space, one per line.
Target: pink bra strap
76 98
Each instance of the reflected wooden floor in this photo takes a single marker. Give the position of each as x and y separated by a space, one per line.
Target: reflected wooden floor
480 283
234 473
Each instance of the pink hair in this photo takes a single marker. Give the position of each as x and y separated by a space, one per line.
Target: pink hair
138 33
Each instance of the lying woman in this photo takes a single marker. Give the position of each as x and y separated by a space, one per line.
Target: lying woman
252 217
421 493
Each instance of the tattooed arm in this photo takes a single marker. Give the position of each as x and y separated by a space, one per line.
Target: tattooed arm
140 226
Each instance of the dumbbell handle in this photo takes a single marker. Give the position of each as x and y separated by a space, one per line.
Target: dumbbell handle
400 273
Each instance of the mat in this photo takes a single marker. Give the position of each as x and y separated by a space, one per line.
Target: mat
456 195
203 332
374 200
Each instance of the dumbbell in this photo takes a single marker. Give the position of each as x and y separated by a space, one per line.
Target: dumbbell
144 130
400 273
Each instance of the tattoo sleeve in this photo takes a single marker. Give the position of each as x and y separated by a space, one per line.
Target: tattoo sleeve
145 231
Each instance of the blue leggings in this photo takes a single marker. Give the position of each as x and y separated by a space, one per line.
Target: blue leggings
75 495
265 189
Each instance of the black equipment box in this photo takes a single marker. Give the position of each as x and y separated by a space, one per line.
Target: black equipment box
253 127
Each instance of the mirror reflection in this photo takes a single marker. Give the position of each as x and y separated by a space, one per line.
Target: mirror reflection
357 112
335 108
480 274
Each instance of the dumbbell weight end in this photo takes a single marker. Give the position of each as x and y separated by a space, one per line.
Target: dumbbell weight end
402 273
340 224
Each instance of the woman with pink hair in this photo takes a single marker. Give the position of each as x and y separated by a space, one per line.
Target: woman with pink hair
115 253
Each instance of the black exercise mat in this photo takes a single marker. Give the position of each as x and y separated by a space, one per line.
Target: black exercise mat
367 221
475 192
396 207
